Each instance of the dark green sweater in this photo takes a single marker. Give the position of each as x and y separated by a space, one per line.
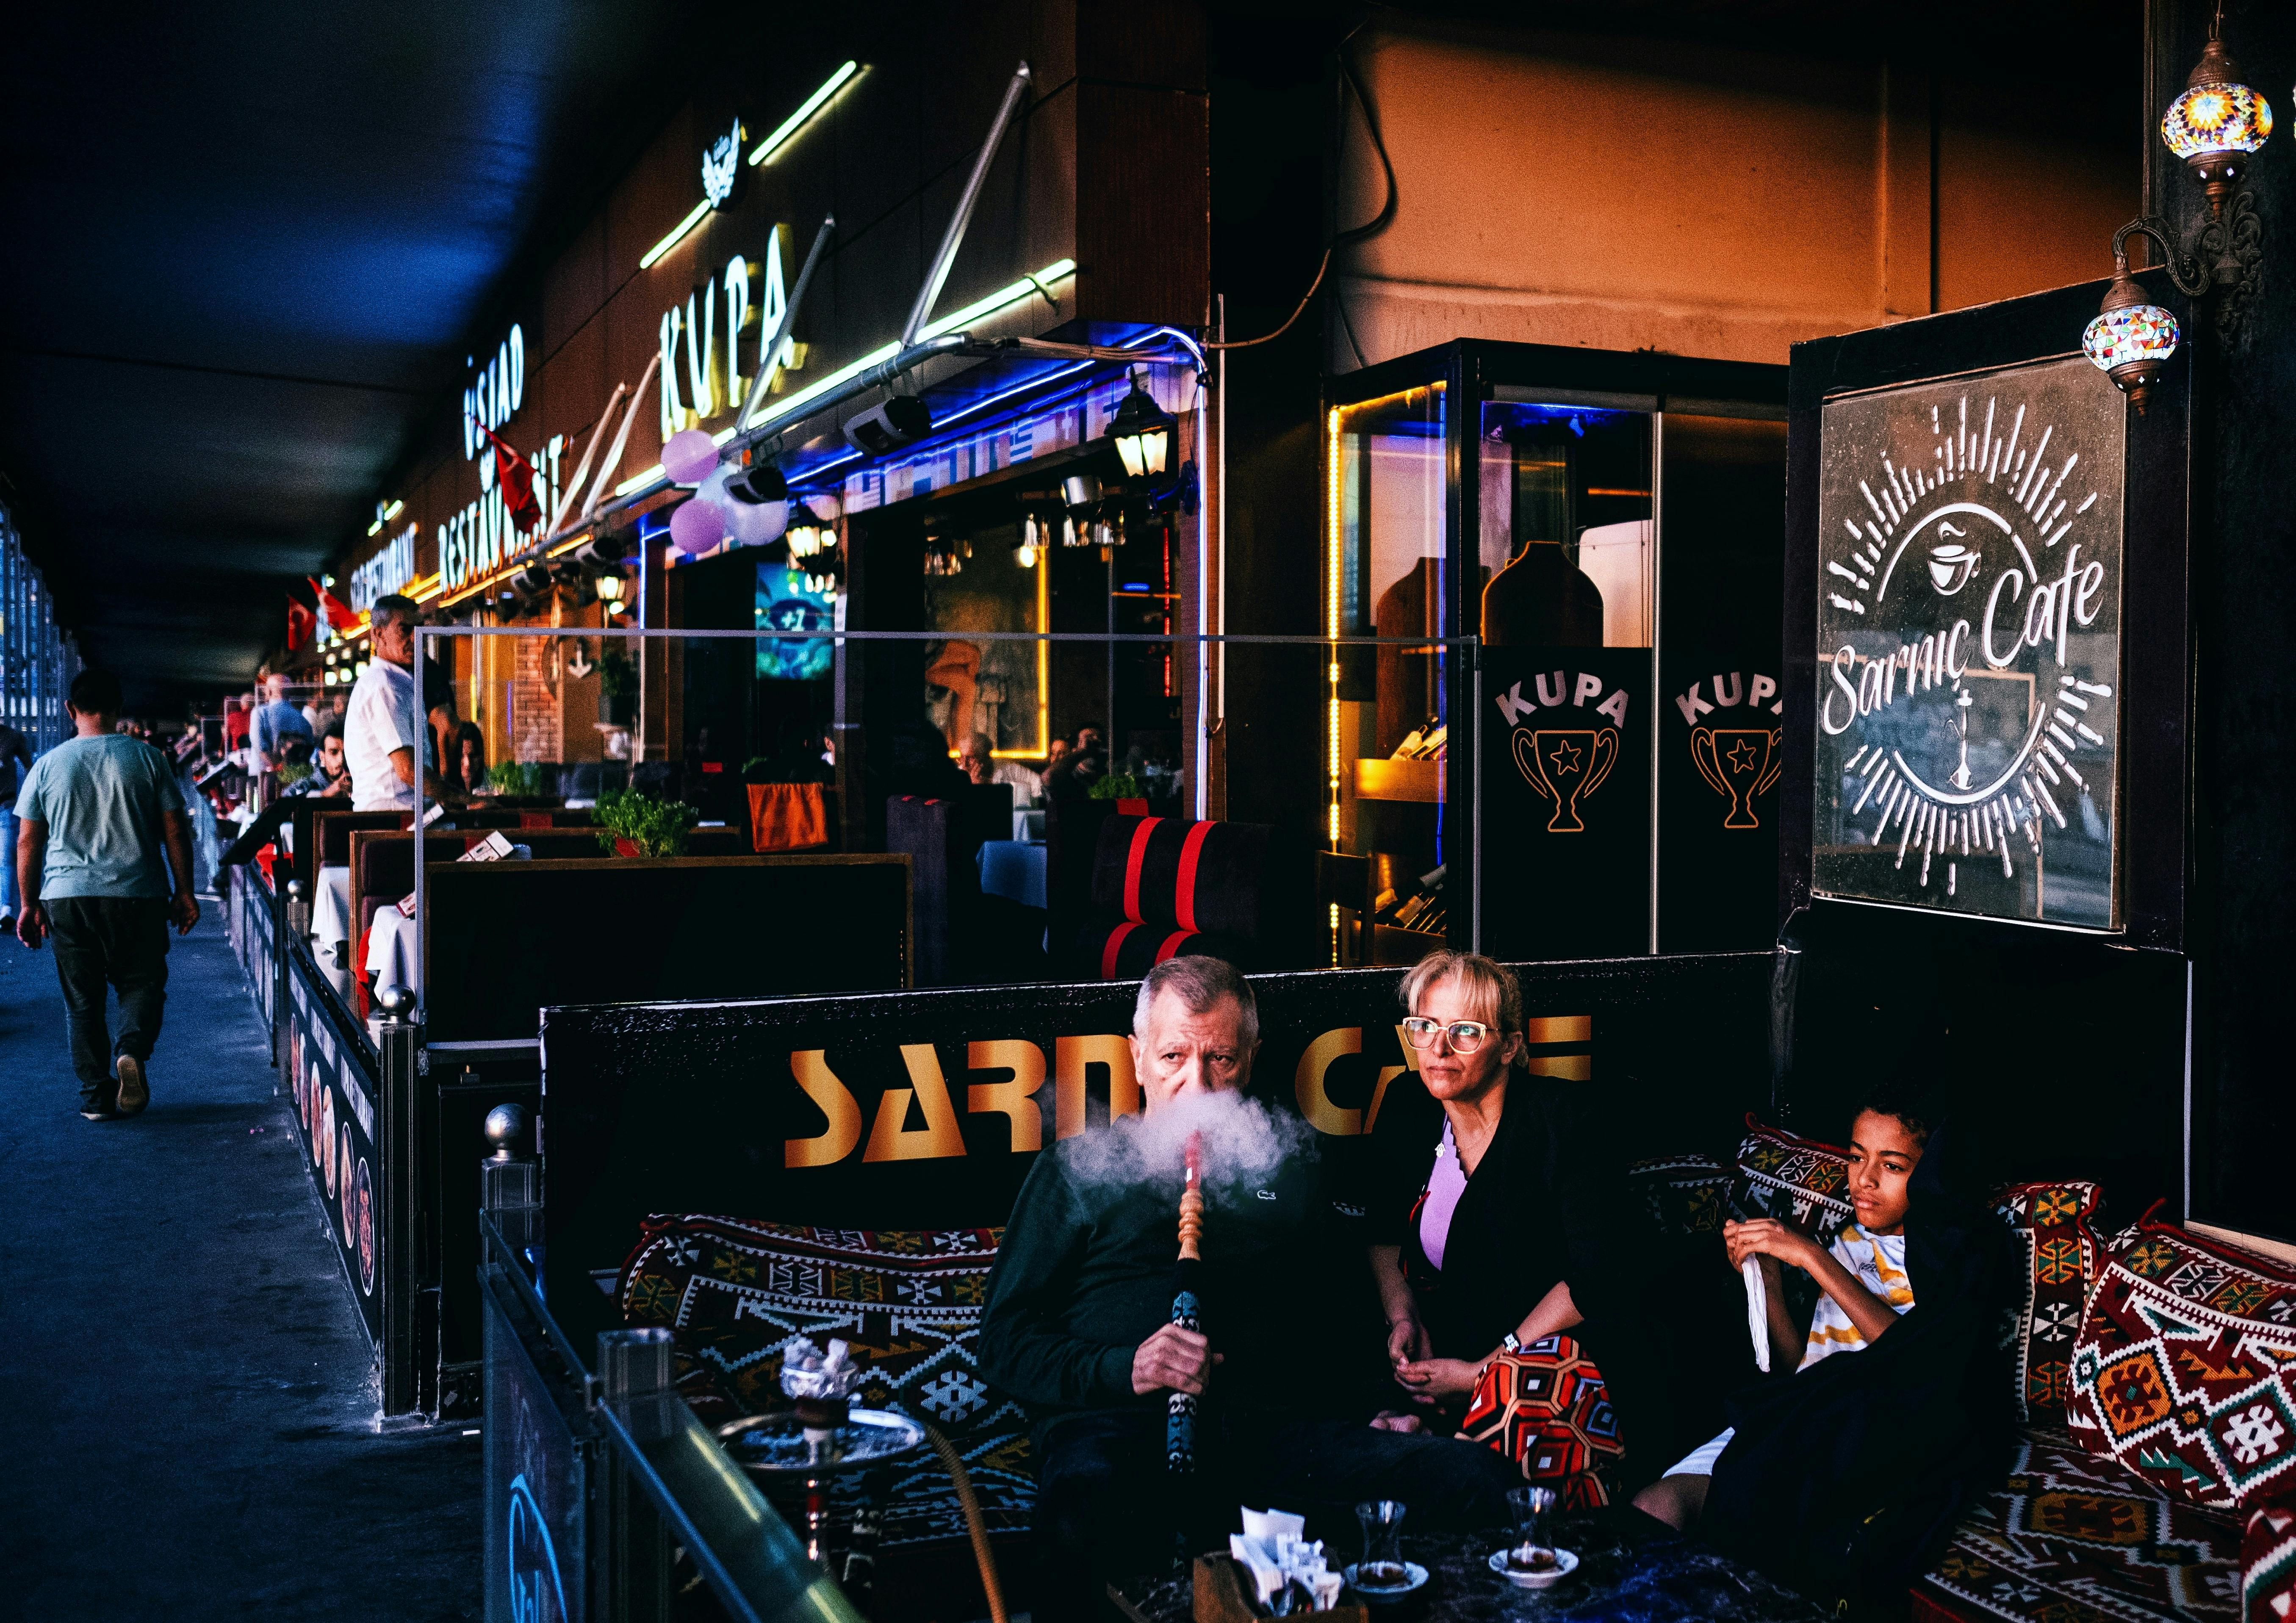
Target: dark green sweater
1085 1276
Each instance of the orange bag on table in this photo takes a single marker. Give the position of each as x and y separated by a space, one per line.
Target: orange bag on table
787 817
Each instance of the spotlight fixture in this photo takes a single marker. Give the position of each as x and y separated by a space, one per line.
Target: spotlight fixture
2217 122
1143 432
900 420
533 580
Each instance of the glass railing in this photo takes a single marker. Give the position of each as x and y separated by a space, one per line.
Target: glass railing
602 1489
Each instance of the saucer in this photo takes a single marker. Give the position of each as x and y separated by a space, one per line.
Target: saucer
1565 1564
1414 1579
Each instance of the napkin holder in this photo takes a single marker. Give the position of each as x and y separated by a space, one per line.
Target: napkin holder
1223 1592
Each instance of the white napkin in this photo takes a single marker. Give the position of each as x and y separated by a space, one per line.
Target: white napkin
1758 1312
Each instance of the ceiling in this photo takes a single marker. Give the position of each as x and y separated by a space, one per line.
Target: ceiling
245 246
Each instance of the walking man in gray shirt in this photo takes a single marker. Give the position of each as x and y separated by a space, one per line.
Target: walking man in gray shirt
100 825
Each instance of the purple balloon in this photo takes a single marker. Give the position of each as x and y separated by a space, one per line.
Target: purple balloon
697 526
689 457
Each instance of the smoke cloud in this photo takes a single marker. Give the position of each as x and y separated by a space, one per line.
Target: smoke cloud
1244 1142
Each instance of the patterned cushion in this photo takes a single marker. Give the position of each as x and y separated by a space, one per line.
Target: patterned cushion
2185 1367
2072 1539
2268 1562
2062 1257
1797 1180
1546 1408
1682 1193
738 1293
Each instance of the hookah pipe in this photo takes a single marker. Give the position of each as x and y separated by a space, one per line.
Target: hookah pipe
1180 1408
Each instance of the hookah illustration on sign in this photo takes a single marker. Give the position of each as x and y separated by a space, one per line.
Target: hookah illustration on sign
1180 1408
1741 763
1565 765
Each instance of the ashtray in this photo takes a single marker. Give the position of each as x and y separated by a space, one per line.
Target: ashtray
1414 1579
1565 1564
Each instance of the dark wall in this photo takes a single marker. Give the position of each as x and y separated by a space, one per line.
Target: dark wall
2243 576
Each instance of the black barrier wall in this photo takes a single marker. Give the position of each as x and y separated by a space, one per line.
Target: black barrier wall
925 1109
332 1072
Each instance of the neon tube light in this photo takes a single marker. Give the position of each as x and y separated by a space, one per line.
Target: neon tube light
1002 299
811 104
677 236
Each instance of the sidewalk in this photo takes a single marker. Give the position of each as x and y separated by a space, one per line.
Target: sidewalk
184 1383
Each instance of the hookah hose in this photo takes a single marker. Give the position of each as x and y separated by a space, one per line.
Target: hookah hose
1180 1407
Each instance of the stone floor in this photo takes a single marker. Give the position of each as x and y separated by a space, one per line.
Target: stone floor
189 1406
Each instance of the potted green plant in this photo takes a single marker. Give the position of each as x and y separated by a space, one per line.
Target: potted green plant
514 777
646 827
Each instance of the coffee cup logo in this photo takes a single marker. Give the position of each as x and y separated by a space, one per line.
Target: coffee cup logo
1566 765
1741 763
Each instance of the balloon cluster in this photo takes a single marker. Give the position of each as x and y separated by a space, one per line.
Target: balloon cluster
751 504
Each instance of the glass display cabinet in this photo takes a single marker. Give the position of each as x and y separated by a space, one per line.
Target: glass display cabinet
1594 773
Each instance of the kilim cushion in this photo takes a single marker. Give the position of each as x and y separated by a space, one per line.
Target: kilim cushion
2268 1560
2063 1254
1683 1194
2070 1538
2185 1367
1798 1182
738 1293
1546 1408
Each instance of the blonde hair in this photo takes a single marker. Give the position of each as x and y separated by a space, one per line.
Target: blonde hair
1493 992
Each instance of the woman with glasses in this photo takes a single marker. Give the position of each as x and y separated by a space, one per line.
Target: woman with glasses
1493 1232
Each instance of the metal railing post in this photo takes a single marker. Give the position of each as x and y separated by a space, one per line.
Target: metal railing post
398 1041
633 1364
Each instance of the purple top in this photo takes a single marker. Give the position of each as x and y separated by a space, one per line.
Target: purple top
1445 1185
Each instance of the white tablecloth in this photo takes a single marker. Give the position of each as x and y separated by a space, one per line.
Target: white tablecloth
391 952
331 909
1013 869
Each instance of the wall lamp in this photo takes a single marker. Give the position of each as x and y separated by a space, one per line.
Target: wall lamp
2214 127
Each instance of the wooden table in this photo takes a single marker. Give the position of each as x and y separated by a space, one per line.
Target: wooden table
1629 1568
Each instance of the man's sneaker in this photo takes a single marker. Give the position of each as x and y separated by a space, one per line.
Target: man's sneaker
134 1094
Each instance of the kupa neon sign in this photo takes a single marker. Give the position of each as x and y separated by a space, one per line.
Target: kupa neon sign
696 384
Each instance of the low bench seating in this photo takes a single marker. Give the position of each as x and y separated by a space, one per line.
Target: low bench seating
2073 1534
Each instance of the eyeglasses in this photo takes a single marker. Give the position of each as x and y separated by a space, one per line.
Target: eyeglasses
1466 1036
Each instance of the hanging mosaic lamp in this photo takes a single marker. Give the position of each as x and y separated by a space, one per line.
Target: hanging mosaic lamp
2216 123
2131 339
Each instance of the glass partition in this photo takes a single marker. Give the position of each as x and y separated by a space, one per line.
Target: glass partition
1041 840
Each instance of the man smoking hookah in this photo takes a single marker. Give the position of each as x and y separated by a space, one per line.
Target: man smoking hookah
1081 1323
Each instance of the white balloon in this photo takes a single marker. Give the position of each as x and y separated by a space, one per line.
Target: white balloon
754 523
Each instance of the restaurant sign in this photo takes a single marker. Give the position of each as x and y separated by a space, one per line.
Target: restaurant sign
1969 646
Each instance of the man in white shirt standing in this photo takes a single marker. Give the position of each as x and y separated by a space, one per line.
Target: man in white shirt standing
383 732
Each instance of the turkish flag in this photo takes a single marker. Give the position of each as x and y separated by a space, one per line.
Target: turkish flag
302 624
516 480
341 617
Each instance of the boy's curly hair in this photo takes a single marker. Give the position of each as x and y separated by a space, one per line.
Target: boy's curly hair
1896 1097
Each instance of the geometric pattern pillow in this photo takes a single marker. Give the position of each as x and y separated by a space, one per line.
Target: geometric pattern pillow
738 1293
2184 1369
1547 1409
2063 1254
1800 1181
2067 1537
1681 1193
2268 1562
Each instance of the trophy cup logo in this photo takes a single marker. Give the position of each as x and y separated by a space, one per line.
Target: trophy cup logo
1739 762
1566 765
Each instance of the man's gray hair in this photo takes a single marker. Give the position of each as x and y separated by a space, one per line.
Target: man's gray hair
393 610
1200 984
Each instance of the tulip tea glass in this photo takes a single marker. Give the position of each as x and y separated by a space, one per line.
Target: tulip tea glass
1382 1566
1534 1550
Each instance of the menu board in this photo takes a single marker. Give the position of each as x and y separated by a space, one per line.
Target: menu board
1969 645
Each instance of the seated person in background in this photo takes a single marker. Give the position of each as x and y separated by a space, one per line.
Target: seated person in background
329 779
978 761
1863 1275
1495 1226
1078 1324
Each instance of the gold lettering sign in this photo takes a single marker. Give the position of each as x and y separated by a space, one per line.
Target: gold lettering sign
835 1101
1017 1098
1070 1056
889 1141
